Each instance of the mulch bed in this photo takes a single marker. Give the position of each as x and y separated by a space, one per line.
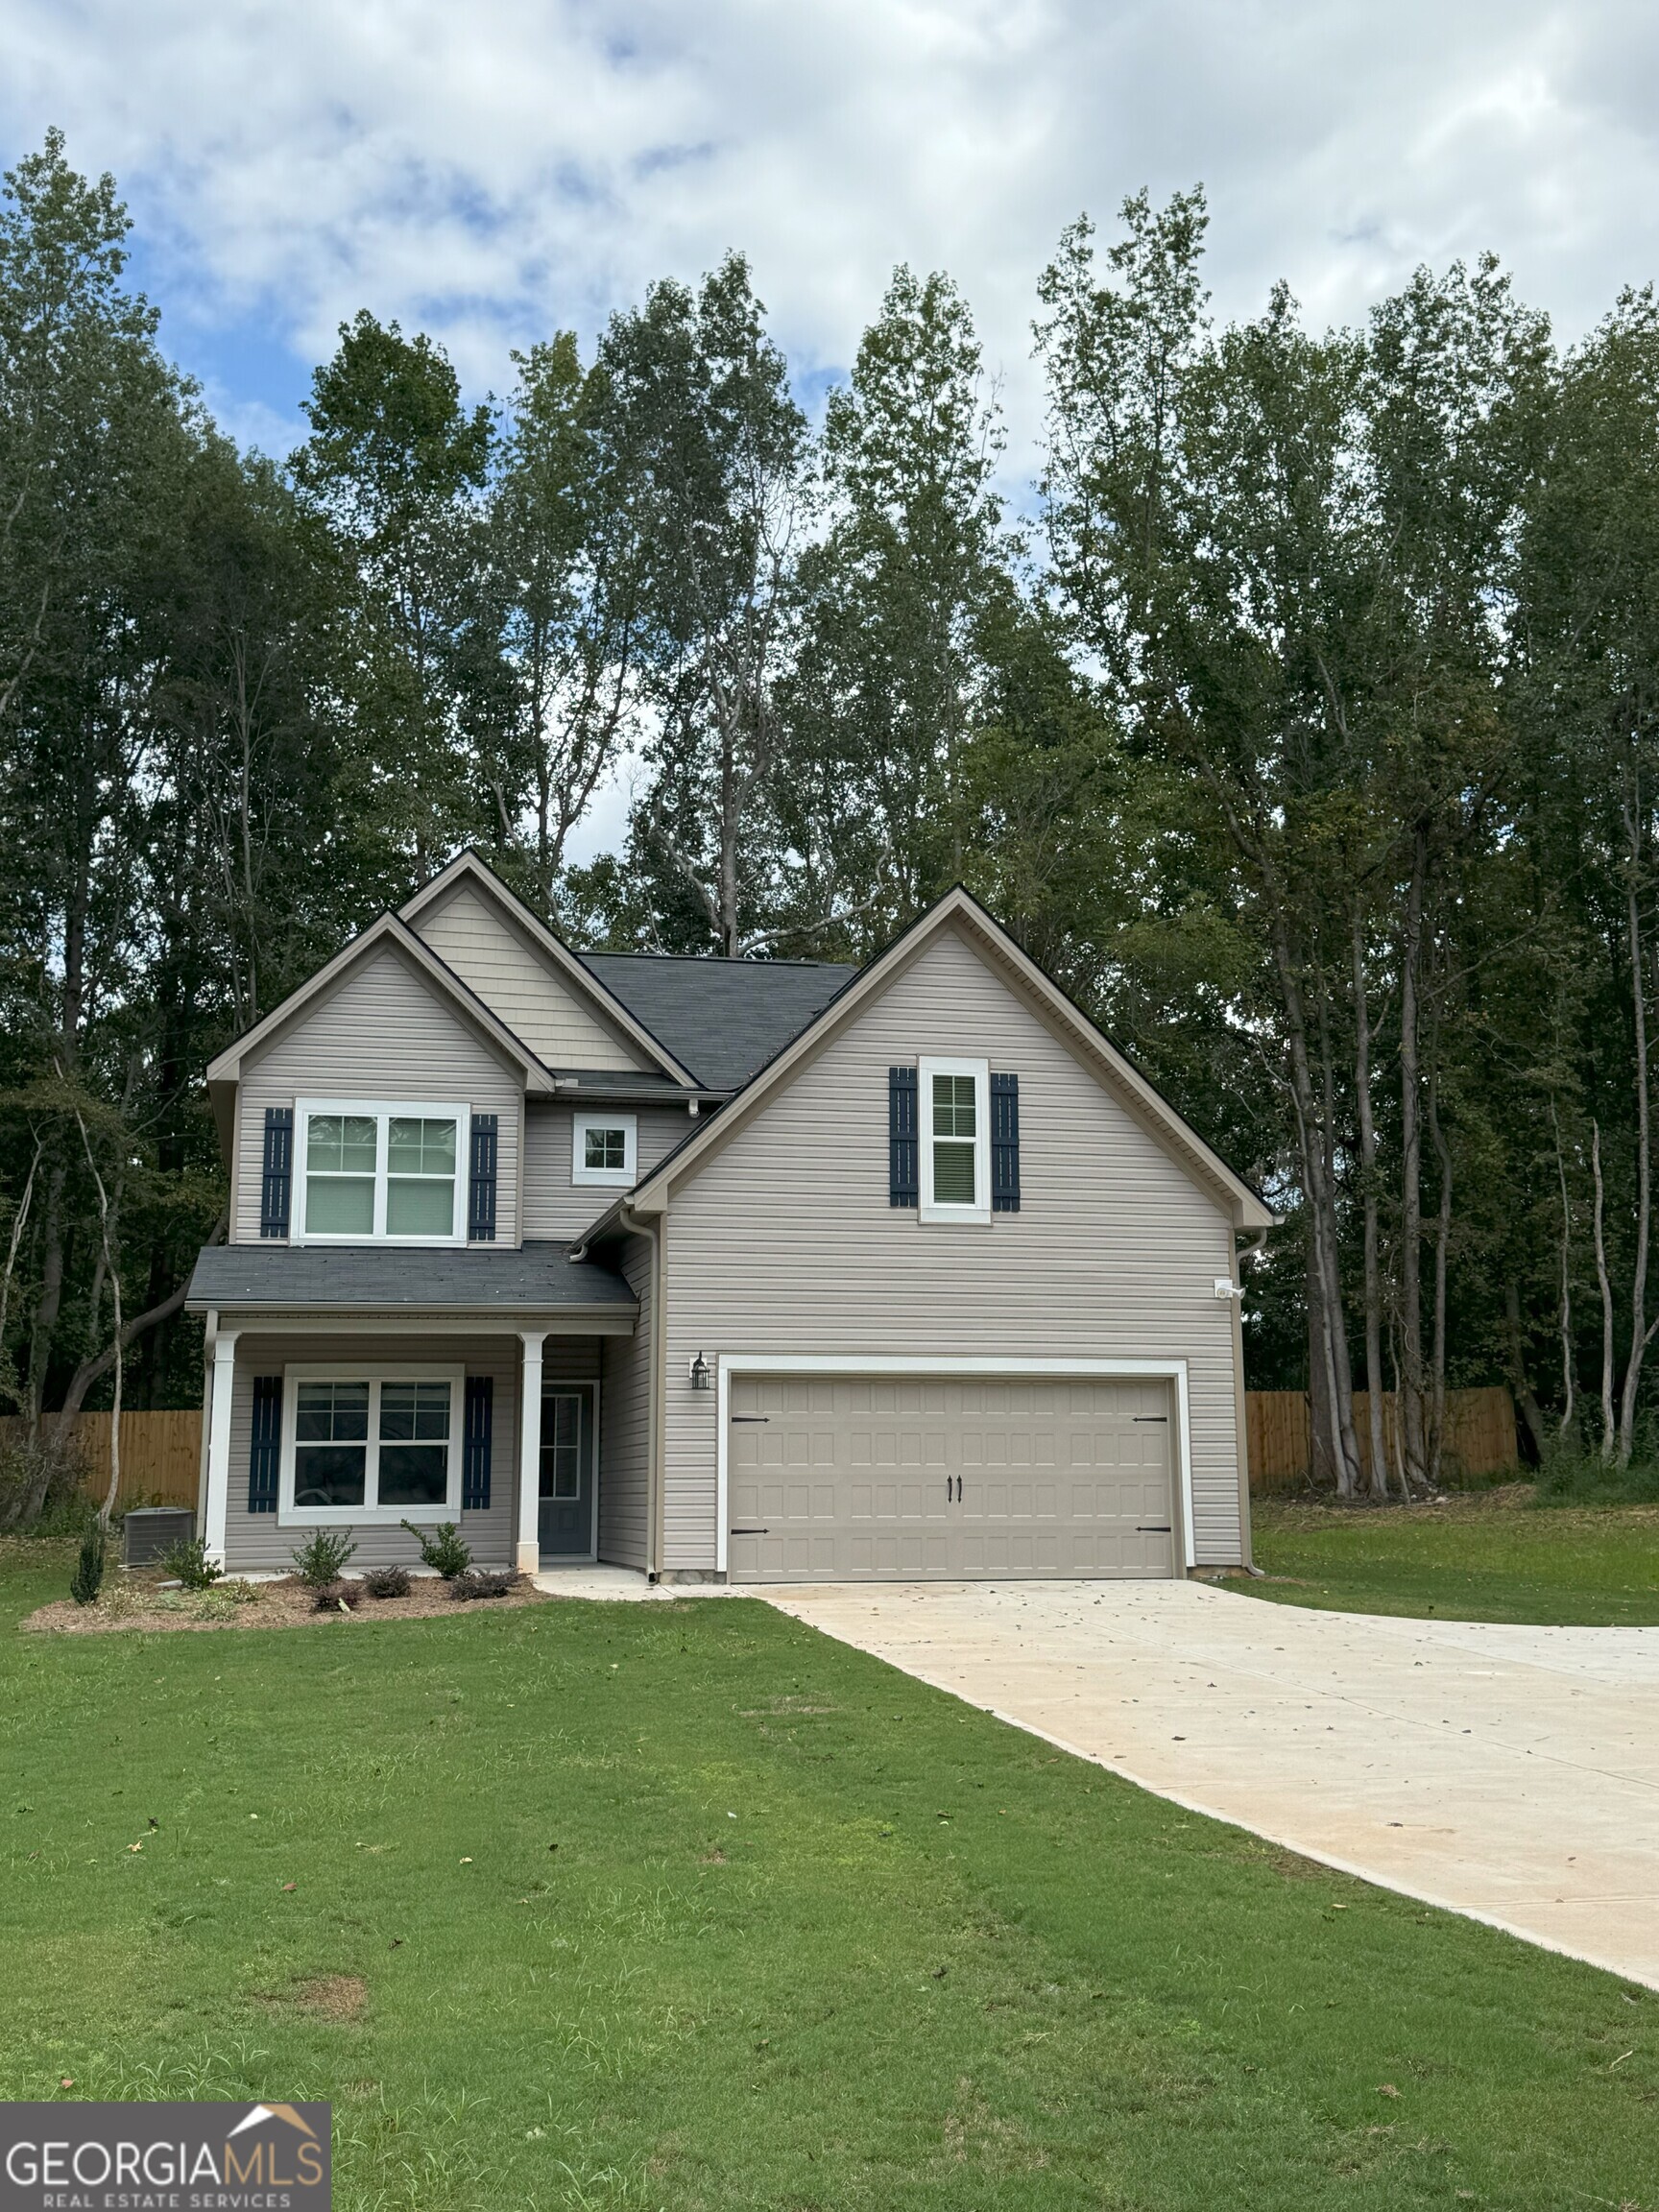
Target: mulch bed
136 1602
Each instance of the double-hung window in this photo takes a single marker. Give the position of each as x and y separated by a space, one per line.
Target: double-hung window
955 1130
393 1175
604 1148
373 1446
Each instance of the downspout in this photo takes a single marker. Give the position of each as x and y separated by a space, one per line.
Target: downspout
653 1229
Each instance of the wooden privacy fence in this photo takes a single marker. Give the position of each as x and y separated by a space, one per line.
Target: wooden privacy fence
1480 1434
161 1453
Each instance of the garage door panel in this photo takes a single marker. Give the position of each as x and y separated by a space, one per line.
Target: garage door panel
861 1477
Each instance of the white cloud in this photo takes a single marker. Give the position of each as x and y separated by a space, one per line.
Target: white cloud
490 171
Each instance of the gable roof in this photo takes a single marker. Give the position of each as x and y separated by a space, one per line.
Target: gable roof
724 1017
959 908
387 932
572 971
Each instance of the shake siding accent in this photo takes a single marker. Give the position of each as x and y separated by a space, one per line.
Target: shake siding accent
556 1206
625 1423
383 1033
515 981
256 1542
787 1241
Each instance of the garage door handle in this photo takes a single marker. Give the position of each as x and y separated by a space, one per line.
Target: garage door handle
1156 1529
751 1531
761 1417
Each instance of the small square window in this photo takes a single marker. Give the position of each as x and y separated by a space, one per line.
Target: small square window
603 1149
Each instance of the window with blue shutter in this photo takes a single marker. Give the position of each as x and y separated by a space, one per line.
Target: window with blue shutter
475 1443
278 1181
1004 1143
265 1457
904 1184
481 1182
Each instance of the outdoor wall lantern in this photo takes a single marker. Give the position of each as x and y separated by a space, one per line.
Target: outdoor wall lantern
699 1372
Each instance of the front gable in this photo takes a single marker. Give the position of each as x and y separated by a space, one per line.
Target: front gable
817 1148
470 934
997 971
381 1029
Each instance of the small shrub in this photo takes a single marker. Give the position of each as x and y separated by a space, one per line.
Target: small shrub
89 1576
387 1582
480 1583
442 1550
1569 1478
187 1562
322 1556
42 1486
331 1597
240 1592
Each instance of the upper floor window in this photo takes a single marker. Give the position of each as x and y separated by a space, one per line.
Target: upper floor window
390 1173
605 1148
955 1140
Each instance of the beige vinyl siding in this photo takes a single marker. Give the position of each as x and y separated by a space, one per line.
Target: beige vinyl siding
515 981
625 1423
785 1241
556 1206
382 1033
258 1542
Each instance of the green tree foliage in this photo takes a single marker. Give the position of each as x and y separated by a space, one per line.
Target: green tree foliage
1310 742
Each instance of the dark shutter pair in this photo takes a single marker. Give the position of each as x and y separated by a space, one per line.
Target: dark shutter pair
275 1197
265 1453
904 1144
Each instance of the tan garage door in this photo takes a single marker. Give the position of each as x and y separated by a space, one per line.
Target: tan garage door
853 1477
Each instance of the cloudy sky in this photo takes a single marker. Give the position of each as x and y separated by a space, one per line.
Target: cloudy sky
492 168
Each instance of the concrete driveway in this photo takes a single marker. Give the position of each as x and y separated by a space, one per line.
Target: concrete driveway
1510 1774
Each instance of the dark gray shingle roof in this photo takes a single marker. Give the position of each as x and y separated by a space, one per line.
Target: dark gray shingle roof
530 1278
722 1019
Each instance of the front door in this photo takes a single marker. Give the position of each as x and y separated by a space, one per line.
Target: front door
567 1513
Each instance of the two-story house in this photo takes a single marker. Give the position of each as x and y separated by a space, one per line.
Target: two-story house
715 1270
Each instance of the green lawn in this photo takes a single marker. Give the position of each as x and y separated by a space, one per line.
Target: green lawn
814 1938
1486 1555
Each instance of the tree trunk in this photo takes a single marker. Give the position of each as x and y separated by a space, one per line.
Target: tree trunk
1644 1160
1531 1412
51 1299
1368 1193
1568 1376
1442 1242
1411 1411
1608 1433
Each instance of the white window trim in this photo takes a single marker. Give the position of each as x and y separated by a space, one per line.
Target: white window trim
383 1111
977 1215
373 1373
621 1178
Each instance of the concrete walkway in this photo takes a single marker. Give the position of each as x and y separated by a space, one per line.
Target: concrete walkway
1510 1774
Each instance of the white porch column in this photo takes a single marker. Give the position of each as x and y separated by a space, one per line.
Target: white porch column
219 1444
530 1453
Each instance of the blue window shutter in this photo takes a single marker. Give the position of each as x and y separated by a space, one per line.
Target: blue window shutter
266 1453
481 1182
278 1181
1004 1143
475 1443
904 1184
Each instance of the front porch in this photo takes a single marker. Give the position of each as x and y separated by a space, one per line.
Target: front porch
362 1431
